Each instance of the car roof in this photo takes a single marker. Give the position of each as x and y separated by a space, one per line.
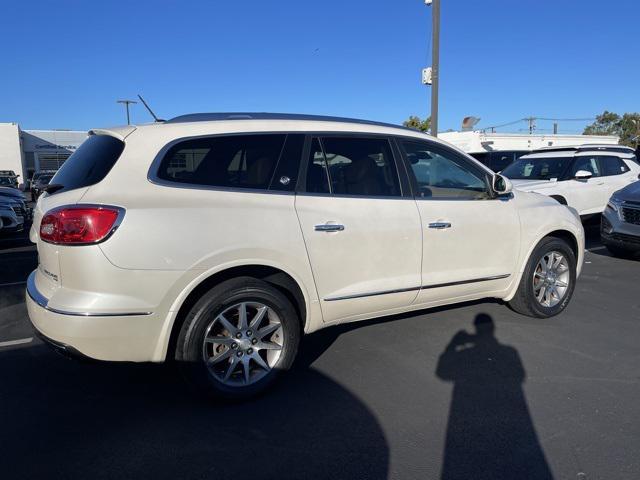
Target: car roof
621 151
243 121
588 147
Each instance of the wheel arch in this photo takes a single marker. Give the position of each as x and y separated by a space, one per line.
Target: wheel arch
560 233
560 199
274 276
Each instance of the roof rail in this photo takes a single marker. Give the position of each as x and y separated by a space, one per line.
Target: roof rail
588 147
220 116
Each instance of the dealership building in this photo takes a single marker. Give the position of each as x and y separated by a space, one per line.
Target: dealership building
29 151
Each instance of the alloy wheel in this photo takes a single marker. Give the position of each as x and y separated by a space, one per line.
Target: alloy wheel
243 343
551 279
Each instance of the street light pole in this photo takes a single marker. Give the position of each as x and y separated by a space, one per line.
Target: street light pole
126 104
435 65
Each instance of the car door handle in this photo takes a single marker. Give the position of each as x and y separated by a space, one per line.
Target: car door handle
440 225
329 227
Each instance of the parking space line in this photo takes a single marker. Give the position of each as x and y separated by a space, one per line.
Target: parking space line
20 341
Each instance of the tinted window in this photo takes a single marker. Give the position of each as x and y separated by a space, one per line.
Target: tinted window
501 160
286 174
483 158
612 166
317 175
238 161
361 166
537 168
589 163
89 164
441 173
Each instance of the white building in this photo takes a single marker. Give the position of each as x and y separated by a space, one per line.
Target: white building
497 150
29 151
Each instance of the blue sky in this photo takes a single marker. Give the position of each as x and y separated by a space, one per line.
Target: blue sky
63 64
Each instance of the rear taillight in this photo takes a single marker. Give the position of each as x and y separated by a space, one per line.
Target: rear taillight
79 225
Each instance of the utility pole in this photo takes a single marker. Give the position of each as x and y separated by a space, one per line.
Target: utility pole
126 104
435 55
532 124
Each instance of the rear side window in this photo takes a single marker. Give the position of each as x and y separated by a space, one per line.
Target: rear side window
612 166
89 164
237 161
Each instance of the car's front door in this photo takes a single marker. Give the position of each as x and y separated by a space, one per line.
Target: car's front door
471 241
363 236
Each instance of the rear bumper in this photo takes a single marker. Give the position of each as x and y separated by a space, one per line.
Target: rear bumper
123 337
65 350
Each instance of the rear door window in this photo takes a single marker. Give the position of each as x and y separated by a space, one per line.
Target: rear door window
611 165
361 166
235 161
89 164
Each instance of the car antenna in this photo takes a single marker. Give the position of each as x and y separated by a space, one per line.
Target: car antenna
155 119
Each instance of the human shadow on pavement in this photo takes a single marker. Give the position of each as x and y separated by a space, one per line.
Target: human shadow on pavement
490 433
65 419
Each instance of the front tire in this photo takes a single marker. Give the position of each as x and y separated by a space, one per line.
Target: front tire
548 281
238 338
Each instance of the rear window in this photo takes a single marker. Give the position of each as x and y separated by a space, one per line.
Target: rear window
236 161
89 164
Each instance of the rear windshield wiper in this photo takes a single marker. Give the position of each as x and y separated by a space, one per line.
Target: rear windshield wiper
53 187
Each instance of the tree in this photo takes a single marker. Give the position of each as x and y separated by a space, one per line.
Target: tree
417 124
627 127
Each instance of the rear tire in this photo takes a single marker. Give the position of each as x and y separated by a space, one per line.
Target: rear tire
548 281
238 338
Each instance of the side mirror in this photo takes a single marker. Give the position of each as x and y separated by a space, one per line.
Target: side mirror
501 185
583 175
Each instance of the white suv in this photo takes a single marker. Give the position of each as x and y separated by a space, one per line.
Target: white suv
582 177
216 240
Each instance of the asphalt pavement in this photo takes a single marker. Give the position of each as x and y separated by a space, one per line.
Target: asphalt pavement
467 392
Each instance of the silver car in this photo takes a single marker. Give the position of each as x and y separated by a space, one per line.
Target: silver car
10 219
620 225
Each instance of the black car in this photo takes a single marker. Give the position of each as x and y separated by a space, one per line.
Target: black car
8 178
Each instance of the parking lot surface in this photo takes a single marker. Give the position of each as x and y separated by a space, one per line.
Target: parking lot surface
472 391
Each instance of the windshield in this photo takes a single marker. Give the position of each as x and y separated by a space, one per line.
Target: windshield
541 168
6 181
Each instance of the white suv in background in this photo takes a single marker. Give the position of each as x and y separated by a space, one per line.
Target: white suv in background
217 240
582 177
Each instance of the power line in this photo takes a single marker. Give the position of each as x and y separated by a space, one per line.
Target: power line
533 119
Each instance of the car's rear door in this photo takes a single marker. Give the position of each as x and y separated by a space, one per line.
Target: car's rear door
616 174
471 241
361 229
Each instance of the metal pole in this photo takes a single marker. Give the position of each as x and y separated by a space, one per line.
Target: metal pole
435 17
128 121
